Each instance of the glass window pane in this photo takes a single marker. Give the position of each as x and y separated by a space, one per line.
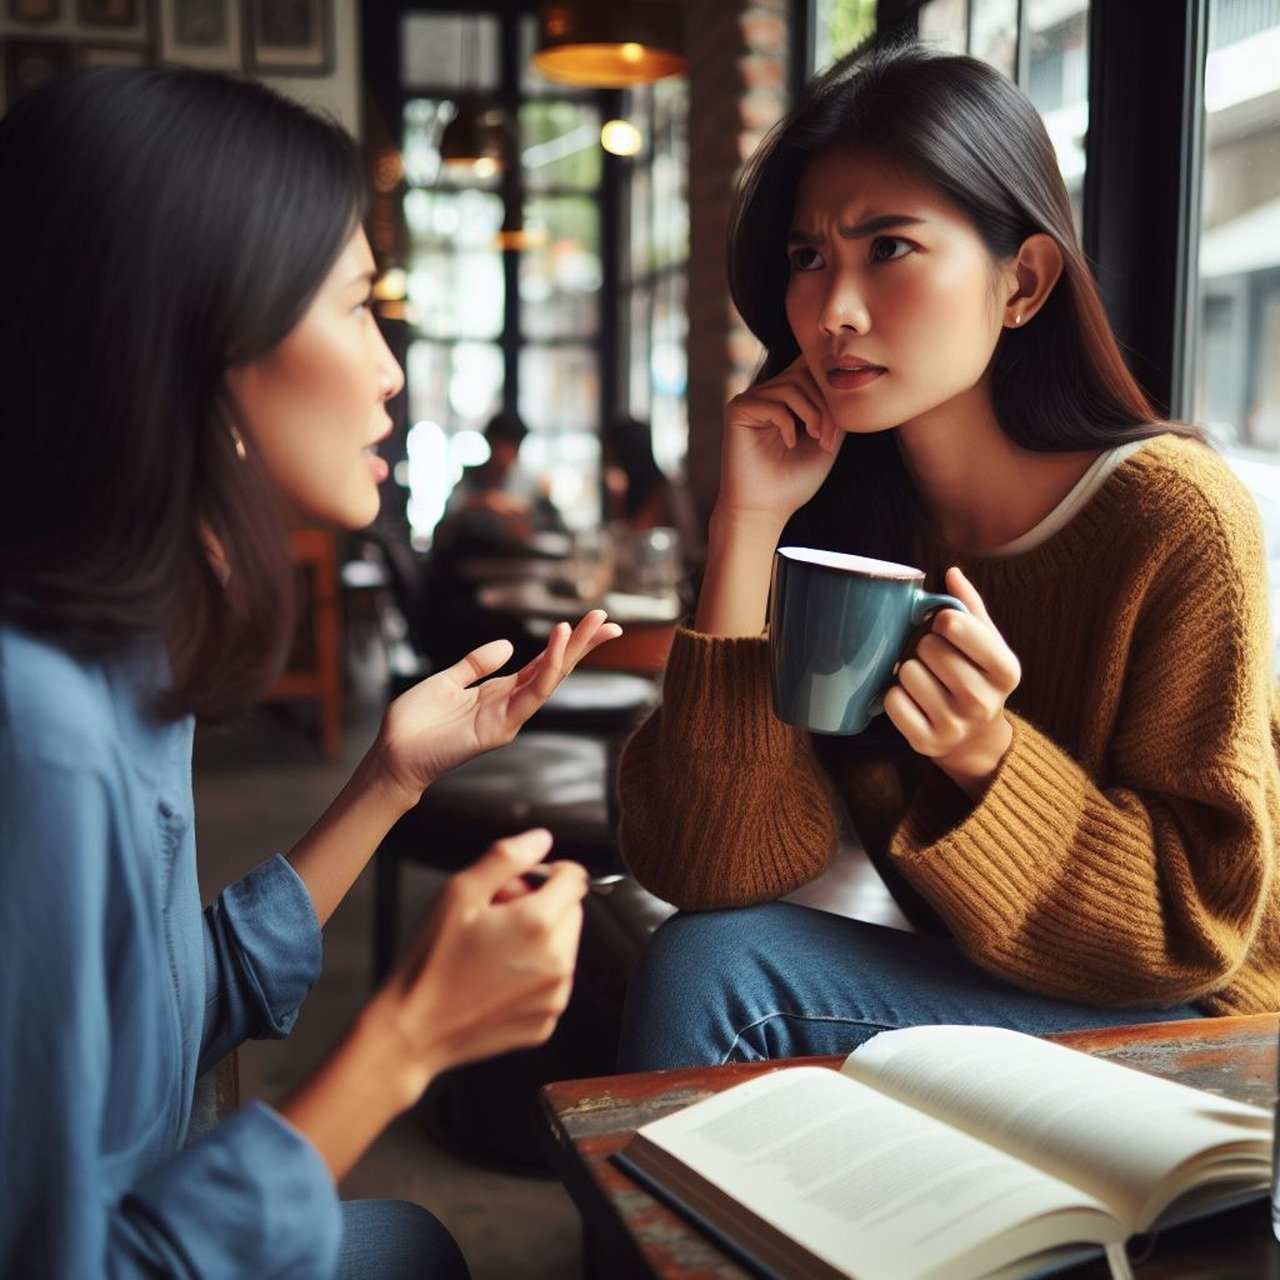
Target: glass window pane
1237 347
994 34
639 384
450 51
454 389
943 24
839 25
560 272
456 283
668 363
1058 81
560 145
560 388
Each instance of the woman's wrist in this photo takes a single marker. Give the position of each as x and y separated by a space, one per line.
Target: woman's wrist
386 781
368 1080
975 766
735 585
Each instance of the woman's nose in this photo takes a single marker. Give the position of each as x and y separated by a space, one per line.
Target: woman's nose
390 374
844 308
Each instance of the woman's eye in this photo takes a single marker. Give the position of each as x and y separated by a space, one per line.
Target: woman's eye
805 259
887 248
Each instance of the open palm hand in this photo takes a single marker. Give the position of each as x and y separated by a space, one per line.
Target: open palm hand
459 713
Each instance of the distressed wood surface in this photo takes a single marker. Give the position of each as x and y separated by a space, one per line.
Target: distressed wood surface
630 1234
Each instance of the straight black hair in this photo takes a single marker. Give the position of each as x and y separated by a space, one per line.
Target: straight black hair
161 227
1058 384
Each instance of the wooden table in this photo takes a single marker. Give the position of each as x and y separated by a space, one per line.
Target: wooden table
648 622
628 1234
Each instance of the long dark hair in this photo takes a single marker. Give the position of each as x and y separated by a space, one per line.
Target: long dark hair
628 443
1058 384
160 227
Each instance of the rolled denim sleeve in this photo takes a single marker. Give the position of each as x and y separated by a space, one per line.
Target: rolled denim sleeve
262 955
91 1104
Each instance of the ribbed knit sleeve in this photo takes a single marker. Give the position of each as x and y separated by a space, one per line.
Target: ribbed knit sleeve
722 804
1148 878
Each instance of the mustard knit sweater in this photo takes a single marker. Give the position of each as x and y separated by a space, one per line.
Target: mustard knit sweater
1125 851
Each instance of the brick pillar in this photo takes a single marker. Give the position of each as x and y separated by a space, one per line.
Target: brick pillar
737 53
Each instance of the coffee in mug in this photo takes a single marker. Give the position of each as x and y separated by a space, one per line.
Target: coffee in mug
837 627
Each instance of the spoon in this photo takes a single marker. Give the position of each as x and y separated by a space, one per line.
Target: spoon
597 884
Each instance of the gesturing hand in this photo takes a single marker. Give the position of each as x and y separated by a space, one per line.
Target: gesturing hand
451 717
949 699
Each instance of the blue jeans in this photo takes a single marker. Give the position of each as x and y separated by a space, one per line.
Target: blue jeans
779 981
396 1240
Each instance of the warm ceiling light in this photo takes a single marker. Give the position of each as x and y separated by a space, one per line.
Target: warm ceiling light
392 285
476 138
610 45
620 138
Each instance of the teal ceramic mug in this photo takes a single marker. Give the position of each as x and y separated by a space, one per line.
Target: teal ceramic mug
837 627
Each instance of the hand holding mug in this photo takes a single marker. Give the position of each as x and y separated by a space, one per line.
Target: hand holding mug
949 698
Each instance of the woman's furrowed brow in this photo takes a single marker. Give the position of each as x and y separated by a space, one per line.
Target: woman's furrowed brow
882 222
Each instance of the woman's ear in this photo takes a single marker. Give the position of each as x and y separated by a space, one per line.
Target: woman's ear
1033 272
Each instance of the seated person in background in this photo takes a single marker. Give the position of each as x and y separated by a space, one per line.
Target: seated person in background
639 495
492 510
637 490
1079 800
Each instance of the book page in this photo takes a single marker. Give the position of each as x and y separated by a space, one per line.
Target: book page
1133 1140
863 1182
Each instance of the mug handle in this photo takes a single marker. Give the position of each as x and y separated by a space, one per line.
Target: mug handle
927 602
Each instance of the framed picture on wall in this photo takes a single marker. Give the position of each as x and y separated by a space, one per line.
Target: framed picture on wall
290 37
35 11
202 33
109 13
30 63
113 55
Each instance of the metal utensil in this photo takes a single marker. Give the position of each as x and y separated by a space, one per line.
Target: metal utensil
597 884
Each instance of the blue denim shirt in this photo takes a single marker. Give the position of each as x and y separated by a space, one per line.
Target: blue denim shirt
117 990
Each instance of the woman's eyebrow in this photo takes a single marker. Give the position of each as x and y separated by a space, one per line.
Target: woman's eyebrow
880 223
363 277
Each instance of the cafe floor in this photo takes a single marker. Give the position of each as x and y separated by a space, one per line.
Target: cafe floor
258 786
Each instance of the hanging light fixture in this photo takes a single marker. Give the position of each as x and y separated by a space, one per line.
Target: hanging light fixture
478 136
609 45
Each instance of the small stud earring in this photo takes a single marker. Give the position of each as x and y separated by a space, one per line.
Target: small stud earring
1017 319
237 443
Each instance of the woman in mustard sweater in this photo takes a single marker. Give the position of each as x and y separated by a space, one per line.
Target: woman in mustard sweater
1075 796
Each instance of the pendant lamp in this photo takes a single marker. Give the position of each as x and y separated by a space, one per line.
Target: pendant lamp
476 138
609 45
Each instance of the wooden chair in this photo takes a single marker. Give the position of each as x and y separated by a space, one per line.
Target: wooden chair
318 676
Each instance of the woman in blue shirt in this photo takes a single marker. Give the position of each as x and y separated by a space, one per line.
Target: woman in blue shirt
188 363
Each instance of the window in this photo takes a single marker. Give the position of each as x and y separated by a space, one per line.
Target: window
1042 45
503 271
1236 358
652 302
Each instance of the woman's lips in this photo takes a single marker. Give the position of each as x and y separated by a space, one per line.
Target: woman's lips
852 379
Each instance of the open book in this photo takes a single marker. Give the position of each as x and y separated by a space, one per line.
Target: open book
950 1152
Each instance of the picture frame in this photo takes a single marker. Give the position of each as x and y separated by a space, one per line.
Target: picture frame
289 37
34 12
118 14
205 33
105 54
28 64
